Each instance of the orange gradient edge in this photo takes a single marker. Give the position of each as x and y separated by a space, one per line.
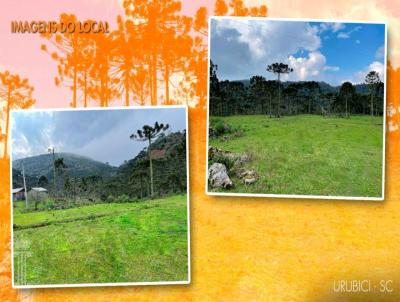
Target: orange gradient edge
266 249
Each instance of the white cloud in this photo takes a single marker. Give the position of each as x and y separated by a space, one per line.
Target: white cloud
295 43
331 68
344 9
359 77
343 35
380 52
21 147
358 41
257 34
331 26
346 35
306 67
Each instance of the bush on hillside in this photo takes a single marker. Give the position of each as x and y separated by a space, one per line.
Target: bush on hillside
123 198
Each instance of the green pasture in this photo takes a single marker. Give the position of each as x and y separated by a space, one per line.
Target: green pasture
103 243
308 154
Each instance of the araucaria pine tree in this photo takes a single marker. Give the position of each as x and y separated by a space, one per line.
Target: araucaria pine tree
279 68
372 80
149 134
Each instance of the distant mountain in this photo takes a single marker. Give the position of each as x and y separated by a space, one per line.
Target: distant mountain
131 178
325 87
77 165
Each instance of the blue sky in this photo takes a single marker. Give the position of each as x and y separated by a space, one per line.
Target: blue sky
330 52
99 134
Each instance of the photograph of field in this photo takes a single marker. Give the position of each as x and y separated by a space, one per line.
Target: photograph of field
100 197
296 108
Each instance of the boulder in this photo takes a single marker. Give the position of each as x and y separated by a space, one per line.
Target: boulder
218 176
249 181
247 176
238 158
214 151
245 157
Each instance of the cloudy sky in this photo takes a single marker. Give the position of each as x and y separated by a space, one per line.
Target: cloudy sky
99 134
330 52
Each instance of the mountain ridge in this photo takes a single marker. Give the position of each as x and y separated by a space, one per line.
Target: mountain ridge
324 86
77 165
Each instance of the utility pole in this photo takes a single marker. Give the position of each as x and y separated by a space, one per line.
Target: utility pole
25 192
51 150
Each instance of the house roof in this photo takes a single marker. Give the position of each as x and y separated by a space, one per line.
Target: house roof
16 190
39 189
157 154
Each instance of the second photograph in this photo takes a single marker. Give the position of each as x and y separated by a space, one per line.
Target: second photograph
296 108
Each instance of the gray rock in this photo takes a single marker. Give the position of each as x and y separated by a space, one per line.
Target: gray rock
249 181
247 176
238 158
218 176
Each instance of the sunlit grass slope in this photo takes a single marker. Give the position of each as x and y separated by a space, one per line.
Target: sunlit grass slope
310 155
105 243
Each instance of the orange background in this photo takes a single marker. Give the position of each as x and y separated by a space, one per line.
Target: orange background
248 249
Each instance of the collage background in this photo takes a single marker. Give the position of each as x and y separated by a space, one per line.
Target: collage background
245 249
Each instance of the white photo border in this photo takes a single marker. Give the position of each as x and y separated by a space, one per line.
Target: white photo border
295 196
155 283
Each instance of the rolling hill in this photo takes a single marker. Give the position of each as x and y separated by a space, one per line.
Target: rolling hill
77 165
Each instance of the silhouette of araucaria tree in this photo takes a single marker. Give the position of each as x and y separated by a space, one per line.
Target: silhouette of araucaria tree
17 94
372 80
154 49
279 68
150 133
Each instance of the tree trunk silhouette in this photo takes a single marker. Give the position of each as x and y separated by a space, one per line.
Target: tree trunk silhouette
151 171
154 80
7 122
270 105
166 79
74 86
127 90
279 95
372 105
85 89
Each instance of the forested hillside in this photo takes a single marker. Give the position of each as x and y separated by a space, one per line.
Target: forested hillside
42 165
80 177
169 169
323 86
258 95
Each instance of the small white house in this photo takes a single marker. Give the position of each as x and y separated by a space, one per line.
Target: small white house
18 194
39 189
37 193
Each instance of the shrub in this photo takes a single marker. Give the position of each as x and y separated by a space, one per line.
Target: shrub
123 198
227 161
50 204
220 128
103 197
110 199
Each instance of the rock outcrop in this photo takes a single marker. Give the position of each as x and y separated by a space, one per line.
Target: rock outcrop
247 176
218 176
238 158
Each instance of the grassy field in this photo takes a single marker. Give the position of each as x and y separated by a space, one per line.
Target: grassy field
104 243
309 154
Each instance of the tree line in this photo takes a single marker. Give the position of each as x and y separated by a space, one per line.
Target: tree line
274 98
153 43
158 170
